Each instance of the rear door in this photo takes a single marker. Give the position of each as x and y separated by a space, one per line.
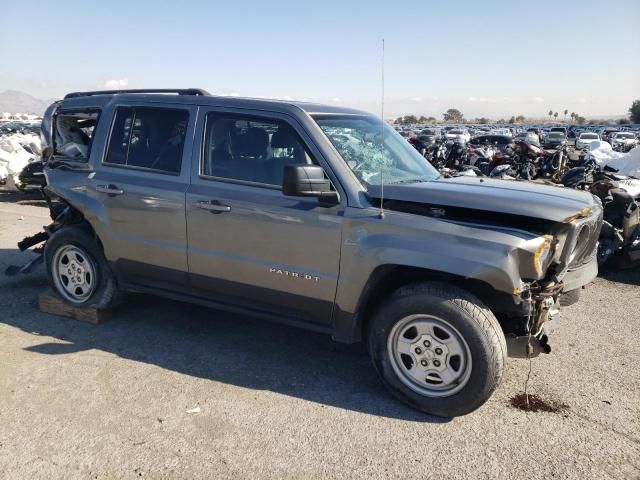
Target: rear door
139 190
250 245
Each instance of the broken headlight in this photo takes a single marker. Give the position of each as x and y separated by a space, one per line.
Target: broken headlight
536 255
543 255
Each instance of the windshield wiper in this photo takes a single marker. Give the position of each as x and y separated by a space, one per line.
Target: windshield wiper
410 180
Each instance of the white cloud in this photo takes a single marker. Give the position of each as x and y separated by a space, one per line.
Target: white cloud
482 99
423 99
538 99
115 83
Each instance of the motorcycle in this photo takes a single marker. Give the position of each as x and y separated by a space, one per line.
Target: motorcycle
553 165
526 159
620 197
482 154
456 155
436 154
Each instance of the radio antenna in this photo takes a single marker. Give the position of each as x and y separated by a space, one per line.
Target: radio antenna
382 138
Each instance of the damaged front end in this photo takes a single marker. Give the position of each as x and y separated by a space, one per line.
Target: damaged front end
544 259
568 261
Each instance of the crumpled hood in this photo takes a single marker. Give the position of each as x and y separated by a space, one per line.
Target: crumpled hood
490 195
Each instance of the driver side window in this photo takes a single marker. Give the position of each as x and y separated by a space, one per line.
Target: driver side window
250 149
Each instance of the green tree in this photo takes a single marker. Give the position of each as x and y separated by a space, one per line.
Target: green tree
521 119
573 116
550 114
453 115
634 110
565 114
555 115
512 119
624 121
580 120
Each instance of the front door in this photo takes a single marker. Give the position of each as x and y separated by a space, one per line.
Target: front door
250 245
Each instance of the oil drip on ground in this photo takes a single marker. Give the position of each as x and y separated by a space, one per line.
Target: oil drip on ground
536 404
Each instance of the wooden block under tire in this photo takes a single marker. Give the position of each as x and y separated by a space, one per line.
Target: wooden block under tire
49 302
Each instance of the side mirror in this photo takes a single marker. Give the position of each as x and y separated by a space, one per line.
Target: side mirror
308 181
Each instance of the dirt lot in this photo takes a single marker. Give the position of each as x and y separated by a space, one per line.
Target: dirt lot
113 401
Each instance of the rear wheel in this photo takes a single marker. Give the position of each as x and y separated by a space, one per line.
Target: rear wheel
437 348
78 270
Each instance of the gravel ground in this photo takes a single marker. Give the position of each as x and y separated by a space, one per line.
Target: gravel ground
268 401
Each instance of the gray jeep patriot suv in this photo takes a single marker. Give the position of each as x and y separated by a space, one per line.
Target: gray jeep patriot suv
317 216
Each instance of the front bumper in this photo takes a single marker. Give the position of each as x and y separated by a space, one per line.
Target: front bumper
582 275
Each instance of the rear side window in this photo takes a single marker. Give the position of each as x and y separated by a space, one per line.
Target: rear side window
73 133
148 138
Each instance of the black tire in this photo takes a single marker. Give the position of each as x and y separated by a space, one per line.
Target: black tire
569 298
475 323
106 293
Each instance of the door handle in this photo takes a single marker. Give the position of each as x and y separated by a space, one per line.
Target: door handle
214 206
109 189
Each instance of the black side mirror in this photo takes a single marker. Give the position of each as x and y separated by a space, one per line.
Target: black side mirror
308 181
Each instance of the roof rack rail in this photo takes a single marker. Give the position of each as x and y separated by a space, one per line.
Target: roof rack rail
178 91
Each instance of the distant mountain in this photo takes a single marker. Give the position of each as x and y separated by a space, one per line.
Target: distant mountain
13 101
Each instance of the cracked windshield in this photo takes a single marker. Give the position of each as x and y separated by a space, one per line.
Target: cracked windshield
359 141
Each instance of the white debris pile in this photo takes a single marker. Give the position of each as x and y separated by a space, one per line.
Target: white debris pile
17 150
628 164
602 152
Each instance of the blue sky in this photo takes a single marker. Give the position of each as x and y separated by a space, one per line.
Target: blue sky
485 58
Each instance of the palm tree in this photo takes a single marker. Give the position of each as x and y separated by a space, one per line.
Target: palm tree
565 114
550 113
556 115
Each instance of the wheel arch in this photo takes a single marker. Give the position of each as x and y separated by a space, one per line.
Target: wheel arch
386 279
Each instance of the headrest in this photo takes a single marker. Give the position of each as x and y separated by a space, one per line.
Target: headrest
284 138
253 143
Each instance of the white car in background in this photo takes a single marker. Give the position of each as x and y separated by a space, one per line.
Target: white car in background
505 132
456 133
584 140
623 141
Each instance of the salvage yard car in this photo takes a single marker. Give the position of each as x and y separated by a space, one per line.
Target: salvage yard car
584 140
623 141
316 216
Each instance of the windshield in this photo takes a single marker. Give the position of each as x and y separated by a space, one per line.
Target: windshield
589 136
625 135
358 141
556 135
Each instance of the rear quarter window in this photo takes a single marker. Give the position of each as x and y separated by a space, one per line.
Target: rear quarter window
73 133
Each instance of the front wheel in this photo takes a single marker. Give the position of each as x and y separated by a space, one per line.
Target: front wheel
437 348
